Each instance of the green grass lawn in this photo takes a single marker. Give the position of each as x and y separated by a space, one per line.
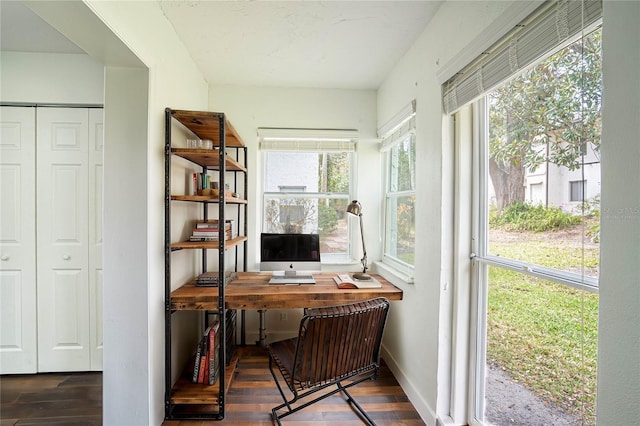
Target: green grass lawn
544 334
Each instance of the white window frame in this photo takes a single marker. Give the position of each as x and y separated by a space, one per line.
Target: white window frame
465 80
396 131
314 141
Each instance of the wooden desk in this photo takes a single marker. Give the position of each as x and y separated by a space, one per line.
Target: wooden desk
252 291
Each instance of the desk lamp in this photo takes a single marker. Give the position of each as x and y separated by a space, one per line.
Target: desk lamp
355 208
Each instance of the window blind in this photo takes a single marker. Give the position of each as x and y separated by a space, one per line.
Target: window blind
399 127
307 140
551 27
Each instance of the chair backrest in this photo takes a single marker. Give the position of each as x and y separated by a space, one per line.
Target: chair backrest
339 342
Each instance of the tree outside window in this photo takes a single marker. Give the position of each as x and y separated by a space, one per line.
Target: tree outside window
400 202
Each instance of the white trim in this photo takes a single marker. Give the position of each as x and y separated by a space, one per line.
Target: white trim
307 145
461 268
479 274
391 273
274 133
399 134
397 120
307 140
570 279
427 414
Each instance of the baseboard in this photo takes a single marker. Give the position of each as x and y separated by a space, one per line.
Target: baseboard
426 413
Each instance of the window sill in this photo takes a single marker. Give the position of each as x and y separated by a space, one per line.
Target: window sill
392 274
340 261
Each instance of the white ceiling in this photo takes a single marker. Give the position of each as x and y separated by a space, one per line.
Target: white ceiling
320 44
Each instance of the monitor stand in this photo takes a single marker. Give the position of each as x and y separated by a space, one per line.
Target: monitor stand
292 277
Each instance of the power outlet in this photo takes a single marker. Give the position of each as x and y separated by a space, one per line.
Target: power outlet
283 316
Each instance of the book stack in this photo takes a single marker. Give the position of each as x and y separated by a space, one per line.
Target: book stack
202 181
210 279
230 223
209 231
206 366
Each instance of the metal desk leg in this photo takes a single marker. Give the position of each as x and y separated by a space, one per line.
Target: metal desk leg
243 328
262 335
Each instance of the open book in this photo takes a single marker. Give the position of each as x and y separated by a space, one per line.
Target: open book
347 281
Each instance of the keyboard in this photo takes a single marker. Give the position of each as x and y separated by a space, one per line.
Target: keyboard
298 279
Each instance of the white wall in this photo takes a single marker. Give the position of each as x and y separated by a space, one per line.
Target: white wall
51 78
251 107
619 314
126 366
173 81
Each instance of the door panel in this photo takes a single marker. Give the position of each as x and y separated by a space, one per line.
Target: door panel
18 344
62 221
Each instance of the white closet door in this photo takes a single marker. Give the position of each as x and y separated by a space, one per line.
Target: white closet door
96 145
18 349
63 241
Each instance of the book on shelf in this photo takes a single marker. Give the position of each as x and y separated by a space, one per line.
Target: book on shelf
208 226
209 231
196 364
203 365
347 281
201 181
206 239
206 363
213 224
210 235
213 362
210 279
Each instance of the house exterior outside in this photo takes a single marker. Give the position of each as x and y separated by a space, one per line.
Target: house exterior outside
557 186
290 173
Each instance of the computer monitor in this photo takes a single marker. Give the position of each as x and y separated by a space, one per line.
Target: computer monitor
290 253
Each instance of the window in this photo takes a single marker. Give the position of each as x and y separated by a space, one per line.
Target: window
576 188
531 141
399 146
307 185
540 261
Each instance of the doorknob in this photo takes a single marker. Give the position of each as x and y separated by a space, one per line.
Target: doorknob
5 257
66 257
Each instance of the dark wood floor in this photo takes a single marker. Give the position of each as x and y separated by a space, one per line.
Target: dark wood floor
76 399
51 399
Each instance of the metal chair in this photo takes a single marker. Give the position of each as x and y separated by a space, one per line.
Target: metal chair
337 345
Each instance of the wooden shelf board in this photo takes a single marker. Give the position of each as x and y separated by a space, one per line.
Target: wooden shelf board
206 125
186 392
207 199
209 158
212 245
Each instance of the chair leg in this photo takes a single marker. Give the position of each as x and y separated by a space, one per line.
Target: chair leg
358 407
284 398
291 410
339 388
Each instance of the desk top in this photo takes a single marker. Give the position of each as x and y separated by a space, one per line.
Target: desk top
252 291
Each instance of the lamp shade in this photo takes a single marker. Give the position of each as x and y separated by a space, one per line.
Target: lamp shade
354 208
